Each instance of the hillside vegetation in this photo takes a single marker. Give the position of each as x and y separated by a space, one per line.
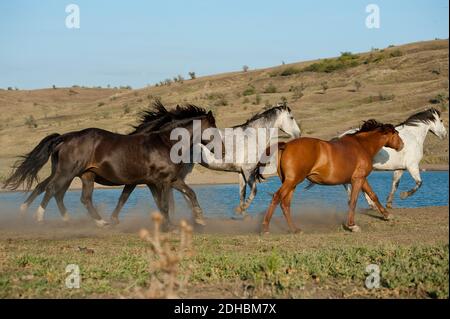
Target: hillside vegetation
327 97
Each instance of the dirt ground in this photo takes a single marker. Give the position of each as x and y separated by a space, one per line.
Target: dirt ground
231 258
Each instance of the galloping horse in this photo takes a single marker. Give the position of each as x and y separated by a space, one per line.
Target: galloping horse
113 159
339 161
413 132
278 117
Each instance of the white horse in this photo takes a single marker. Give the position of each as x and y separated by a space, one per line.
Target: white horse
413 132
278 117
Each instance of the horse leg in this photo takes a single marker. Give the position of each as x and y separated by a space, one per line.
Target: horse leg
57 183
286 208
252 184
367 189
371 204
356 188
59 197
242 192
395 182
87 180
40 188
127 190
181 186
415 174
282 192
161 195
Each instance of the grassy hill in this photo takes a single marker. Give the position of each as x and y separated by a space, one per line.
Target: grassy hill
327 96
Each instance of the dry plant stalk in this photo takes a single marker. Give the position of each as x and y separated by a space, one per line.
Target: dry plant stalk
168 259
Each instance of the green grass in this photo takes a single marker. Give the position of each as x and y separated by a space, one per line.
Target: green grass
273 266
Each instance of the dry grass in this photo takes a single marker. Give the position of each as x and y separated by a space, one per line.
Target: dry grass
166 259
410 75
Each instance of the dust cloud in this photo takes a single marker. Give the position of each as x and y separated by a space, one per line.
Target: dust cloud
309 219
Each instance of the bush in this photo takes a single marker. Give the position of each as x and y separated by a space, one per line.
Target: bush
324 86
270 89
31 122
346 60
250 90
245 68
297 91
257 99
126 109
192 75
395 53
357 85
438 99
289 71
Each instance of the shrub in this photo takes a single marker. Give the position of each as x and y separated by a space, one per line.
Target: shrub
257 100
439 98
297 91
395 53
245 68
126 109
270 89
31 122
346 60
250 90
324 86
192 75
289 71
357 85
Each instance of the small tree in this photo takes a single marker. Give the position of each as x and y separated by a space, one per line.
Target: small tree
357 85
192 75
324 85
245 68
54 86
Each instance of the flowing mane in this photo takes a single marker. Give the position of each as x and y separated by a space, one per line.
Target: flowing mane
373 125
267 113
421 117
157 116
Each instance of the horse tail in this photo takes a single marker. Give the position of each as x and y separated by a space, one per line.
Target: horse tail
257 172
26 169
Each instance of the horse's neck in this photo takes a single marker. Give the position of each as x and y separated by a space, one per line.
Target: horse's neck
419 131
371 142
266 124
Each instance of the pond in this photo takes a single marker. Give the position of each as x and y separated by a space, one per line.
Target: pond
220 200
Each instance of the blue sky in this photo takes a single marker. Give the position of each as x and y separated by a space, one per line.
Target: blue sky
141 42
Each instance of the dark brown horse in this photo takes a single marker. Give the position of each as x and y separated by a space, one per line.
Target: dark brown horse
345 160
112 159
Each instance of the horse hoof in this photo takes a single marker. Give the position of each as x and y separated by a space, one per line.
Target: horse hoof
114 221
297 231
389 217
23 208
66 217
403 195
239 210
265 233
200 221
389 205
101 223
353 228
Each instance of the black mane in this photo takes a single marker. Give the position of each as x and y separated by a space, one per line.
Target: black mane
157 116
421 117
266 113
372 125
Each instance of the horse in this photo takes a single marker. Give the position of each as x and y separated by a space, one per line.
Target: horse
413 132
339 161
278 117
113 159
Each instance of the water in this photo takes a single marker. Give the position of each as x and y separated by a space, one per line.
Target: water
220 200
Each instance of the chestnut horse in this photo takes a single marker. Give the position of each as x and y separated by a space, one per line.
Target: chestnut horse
345 160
